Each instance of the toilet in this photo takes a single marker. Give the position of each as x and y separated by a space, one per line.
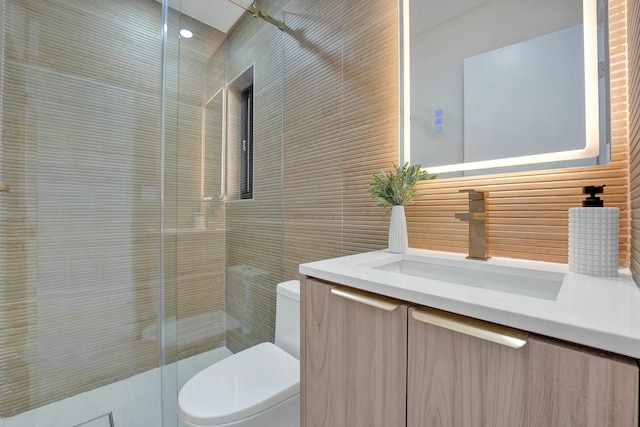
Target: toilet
257 387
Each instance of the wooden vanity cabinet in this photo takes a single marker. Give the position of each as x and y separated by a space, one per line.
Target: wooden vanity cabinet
353 357
455 379
363 365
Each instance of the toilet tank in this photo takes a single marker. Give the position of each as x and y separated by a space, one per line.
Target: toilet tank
288 317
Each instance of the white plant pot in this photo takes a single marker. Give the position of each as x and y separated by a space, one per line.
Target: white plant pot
398 240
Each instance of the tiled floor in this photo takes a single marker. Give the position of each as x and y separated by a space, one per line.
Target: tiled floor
134 402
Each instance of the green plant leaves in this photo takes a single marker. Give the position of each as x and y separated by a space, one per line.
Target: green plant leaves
398 187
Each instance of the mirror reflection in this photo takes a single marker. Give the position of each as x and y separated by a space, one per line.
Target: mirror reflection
505 85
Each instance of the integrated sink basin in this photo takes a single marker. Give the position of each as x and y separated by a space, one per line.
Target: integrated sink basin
543 298
479 274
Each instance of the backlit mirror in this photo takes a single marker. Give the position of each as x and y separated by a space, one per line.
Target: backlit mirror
494 86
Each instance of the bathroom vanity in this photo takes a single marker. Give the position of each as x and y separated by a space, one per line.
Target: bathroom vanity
432 339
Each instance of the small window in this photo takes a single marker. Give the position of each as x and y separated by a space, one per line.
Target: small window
246 146
240 147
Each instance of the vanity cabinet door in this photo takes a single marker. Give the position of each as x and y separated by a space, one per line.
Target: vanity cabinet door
353 357
457 379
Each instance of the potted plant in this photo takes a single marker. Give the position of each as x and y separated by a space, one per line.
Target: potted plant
396 189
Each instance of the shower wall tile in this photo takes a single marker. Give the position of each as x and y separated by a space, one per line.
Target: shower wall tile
194 252
72 121
253 227
80 148
370 120
341 125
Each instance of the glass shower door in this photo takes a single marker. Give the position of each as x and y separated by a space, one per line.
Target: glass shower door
80 270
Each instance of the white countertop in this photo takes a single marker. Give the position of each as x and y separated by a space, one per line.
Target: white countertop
600 312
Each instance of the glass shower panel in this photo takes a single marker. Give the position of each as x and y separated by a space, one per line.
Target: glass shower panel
79 228
199 308
228 253
194 292
166 329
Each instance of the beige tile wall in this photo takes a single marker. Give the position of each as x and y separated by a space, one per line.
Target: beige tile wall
254 227
341 127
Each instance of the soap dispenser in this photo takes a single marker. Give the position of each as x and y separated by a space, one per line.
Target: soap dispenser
593 236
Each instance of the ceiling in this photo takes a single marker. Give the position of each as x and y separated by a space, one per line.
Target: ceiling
223 14
427 14
220 14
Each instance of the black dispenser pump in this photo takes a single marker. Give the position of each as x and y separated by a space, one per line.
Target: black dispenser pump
592 201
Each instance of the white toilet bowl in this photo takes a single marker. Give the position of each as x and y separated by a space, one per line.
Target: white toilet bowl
257 387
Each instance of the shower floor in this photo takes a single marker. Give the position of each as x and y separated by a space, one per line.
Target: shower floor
134 402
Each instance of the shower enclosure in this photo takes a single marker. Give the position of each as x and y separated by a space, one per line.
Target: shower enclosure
127 260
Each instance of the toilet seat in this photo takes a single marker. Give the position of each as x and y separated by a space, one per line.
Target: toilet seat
240 386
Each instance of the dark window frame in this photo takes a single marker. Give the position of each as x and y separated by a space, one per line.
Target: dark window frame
246 146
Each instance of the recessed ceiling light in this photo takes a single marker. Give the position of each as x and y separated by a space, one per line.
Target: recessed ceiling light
186 33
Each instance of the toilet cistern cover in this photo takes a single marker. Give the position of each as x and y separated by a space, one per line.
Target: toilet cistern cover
240 386
290 289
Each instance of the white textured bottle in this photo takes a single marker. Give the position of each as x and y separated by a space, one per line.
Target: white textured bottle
593 237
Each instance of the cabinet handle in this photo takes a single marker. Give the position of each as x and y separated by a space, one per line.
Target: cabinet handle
378 301
499 334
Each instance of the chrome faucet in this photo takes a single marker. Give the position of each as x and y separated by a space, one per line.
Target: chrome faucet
477 225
